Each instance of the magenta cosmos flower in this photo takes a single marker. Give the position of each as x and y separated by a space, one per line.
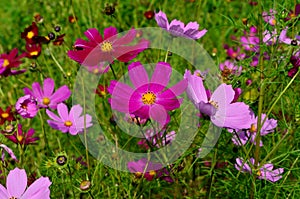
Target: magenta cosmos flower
98 49
9 61
177 28
26 106
264 172
46 97
222 112
269 17
69 122
21 137
9 151
229 68
148 98
16 184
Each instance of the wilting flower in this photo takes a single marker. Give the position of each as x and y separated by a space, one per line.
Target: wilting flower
9 151
264 172
148 98
46 97
177 28
33 50
6 115
22 138
158 140
9 61
149 14
59 40
97 49
26 106
149 170
16 184
69 122
269 17
229 68
242 136
222 112
30 33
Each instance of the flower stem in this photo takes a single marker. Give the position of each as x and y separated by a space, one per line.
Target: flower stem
113 72
56 62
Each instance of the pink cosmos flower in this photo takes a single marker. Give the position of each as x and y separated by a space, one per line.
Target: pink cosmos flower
149 170
229 68
26 106
46 97
287 40
242 136
235 54
158 140
178 29
269 17
69 122
222 112
265 172
148 98
97 50
9 151
21 137
270 38
9 61
16 184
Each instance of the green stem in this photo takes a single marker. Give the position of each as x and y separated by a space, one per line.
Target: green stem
113 72
56 62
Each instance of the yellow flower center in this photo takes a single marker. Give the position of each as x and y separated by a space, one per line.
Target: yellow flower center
30 35
138 174
258 173
273 21
106 46
46 101
68 123
215 104
148 98
20 138
152 172
4 115
34 53
253 128
5 63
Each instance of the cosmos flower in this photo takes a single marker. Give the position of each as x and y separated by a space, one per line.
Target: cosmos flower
270 37
293 14
21 137
264 172
46 97
98 49
16 184
33 50
148 98
287 40
158 140
67 121
242 136
148 170
235 54
269 17
26 106
9 61
9 151
6 115
178 29
30 33
229 68
222 112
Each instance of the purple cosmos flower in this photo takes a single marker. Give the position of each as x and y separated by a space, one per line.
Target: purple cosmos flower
285 39
97 50
22 138
265 172
270 38
242 136
16 184
9 61
177 28
222 112
46 97
229 68
148 98
69 122
294 13
158 140
9 151
235 54
26 106
269 17
149 170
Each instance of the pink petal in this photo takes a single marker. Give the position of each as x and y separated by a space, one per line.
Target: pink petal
38 189
63 112
223 95
16 182
27 91
161 74
162 20
75 113
159 114
110 32
53 116
37 90
48 87
93 35
176 27
60 95
129 37
137 74
195 89
175 90
3 192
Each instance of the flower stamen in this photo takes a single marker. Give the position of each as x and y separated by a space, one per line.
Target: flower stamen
106 46
46 101
149 98
68 123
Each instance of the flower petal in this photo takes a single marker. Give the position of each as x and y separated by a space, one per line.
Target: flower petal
38 189
48 87
137 74
110 32
93 35
162 20
161 74
16 182
63 112
3 192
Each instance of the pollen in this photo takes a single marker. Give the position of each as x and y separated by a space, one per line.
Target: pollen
258 173
138 174
106 46
152 172
20 138
34 53
148 98
5 63
253 128
4 115
215 104
68 123
30 34
46 101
